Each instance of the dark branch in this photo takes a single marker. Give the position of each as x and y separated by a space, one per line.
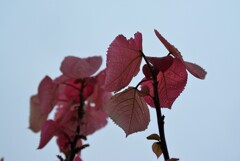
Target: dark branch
160 117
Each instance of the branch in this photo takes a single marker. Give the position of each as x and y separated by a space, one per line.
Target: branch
80 110
160 117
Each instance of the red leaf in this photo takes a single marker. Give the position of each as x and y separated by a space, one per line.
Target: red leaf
144 91
171 84
146 71
36 118
129 111
72 89
61 79
93 120
100 96
123 61
47 94
75 67
162 63
174 51
66 117
194 69
48 130
77 158
63 143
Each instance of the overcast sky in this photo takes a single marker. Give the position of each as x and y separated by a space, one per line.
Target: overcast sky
204 123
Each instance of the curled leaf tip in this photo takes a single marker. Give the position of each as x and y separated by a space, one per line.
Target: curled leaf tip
195 70
154 137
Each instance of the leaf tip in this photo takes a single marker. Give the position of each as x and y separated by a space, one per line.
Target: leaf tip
154 137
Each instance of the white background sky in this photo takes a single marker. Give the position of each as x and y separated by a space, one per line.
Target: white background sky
204 123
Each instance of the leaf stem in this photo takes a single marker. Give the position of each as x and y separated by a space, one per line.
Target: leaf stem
160 117
140 83
80 111
81 98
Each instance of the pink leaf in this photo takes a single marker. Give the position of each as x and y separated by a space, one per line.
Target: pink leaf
61 79
75 67
128 110
93 120
77 158
72 89
194 69
2 159
144 91
174 51
170 84
147 72
36 118
123 61
66 117
47 94
63 143
65 112
100 96
162 63
48 130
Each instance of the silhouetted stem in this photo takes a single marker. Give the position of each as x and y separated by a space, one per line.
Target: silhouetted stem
160 117
72 151
80 111
81 98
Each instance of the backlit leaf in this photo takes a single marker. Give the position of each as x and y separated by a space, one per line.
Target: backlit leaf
146 71
77 158
123 61
75 67
194 69
72 89
161 63
48 130
144 91
100 96
172 49
63 143
47 94
156 148
170 84
128 110
93 120
36 118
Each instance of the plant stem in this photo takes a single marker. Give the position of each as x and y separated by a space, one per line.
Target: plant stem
80 111
72 152
81 98
160 117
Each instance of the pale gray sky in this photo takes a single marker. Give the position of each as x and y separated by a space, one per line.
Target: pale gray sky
203 125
